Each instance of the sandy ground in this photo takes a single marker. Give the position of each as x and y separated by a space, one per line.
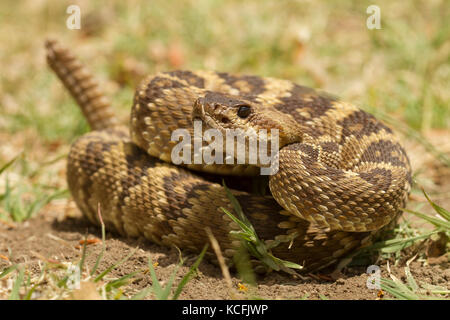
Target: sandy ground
48 237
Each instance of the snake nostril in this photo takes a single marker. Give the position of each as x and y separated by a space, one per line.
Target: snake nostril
225 120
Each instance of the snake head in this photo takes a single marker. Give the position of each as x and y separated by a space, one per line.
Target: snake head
247 114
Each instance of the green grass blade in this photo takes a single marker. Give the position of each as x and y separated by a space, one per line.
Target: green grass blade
9 163
435 221
100 256
237 207
117 283
435 289
33 288
411 281
166 291
255 246
287 264
16 287
141 294
63 282
248 232
243 265
188 276
444 213
42 165
31 291
156 286
395 245
104 273
398 290
40 203
8 270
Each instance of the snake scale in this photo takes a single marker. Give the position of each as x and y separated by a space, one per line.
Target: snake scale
343 176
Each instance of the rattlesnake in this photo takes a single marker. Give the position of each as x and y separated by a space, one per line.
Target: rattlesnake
343 176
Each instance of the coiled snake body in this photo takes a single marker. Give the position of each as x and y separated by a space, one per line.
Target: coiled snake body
342 174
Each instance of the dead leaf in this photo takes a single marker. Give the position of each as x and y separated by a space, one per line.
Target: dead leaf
4 257
90 241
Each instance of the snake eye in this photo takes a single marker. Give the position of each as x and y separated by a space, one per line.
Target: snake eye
243 111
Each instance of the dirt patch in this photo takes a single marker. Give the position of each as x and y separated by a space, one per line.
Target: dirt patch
56 238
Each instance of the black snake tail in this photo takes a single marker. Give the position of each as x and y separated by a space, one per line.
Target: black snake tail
82 85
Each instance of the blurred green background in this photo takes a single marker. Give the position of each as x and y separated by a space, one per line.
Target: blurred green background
402 69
